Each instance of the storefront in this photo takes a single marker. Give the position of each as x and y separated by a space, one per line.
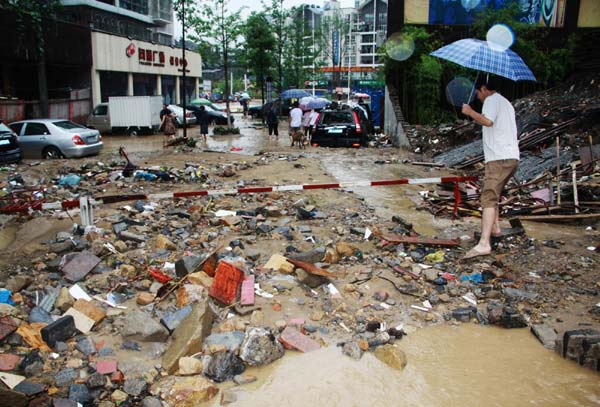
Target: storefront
125 67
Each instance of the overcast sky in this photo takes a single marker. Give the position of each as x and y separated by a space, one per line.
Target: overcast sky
255 5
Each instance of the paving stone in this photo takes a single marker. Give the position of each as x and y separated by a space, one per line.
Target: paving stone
76 267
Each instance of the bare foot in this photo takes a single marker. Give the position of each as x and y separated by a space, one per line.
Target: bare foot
477 251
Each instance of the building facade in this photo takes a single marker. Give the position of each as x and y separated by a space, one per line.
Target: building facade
94 50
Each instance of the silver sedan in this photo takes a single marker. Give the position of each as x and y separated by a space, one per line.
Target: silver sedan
56 138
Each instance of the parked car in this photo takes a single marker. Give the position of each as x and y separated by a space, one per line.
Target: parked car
340 128
260 111
216 116
56 138
189 115
10 151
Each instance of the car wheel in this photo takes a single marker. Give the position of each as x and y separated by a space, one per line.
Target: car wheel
52 153
132 131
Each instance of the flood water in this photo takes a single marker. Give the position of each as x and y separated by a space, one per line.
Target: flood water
447 366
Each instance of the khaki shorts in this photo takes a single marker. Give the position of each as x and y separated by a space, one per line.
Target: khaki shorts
497 174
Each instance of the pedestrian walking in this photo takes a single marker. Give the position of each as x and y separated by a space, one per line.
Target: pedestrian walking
501 153
295 120
244 103
167 123
203 120
273 121
306 123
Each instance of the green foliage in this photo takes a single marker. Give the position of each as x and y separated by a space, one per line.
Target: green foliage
294 52
259 46
549 63
427 78
33 16
224 130
277 16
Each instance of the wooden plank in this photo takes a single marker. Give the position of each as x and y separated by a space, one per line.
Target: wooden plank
418 240
559 218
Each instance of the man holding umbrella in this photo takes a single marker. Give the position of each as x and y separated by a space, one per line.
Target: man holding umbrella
501 153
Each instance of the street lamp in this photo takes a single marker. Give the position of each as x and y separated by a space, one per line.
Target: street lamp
183 64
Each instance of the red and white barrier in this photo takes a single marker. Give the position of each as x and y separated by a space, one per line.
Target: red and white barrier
255 190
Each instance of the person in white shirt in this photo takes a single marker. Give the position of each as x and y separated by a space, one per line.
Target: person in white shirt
501 153
313 122
295 119
306 123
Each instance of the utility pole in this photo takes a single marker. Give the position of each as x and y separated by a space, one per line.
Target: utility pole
313 52
349 57
184 64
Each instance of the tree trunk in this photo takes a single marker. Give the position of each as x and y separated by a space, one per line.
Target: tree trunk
228 111
43 87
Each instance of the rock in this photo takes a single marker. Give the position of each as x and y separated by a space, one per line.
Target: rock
430 274
257 317
228 340
228 397
29 388
64 300
260 347
151 402
13 398
187 265
546 335
8 362
186 391
118 396
391 355
60 330
145 298
85 345
134 387
17 283
243 379
317 316
79 393
7 325
96 380
172 320
279 263
126 235
65 403
222 366
353 350
200 278
65 377
345 249
311 256
189 366
310 280
163 243
90 310
188 337
512 319
140 326
127 270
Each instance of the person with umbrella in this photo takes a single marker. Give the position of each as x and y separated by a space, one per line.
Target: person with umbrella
501 153
203 119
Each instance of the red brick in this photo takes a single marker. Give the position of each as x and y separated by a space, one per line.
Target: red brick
292 339
106 366
117 377
8 362
226 283
7 326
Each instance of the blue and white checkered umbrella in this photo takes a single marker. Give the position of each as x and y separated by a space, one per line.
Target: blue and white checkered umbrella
486 57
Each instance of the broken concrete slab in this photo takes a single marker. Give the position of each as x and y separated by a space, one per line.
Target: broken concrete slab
545 334
188 337
142 327
77 265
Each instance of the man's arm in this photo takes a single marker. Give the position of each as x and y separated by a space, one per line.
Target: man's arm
478 117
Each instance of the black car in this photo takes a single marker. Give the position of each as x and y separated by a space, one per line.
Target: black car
10 151
340 128
216 116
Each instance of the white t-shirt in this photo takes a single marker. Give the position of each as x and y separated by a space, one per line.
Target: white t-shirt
296 117
500 140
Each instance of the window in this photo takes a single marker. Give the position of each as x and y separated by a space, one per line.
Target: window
366 60
367 49
5 129
67 125
139 6
101 110
17 127
337 117
35 129
368 38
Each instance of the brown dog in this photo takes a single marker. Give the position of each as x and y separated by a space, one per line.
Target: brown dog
298 138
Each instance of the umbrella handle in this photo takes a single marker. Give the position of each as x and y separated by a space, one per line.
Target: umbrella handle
472 89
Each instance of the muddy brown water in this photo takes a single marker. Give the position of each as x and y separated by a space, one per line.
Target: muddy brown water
467 365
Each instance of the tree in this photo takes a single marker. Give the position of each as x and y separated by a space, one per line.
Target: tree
260 42
213 21
278 16
34 16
